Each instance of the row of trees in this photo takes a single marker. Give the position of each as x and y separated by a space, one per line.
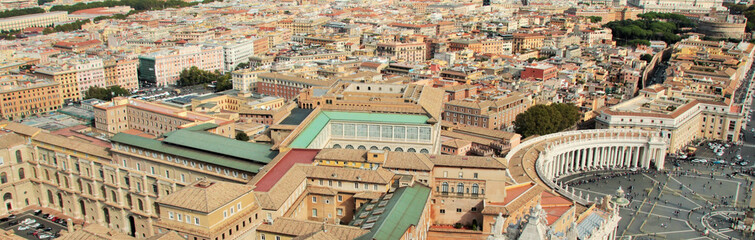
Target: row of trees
195 76
106 93
138 5
19 12
546 119
651 26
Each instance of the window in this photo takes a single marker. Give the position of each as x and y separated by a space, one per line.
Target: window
314 199
225 214
457 210
443 211
167 174
170 215
424 133
336 129
387 132
340 198
475 175
238 206
411 133
179 217
461 174
232 210
339 212
196 221
314 212
152 170
356 185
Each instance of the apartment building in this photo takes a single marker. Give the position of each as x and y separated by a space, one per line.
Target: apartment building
33 20
123 114
539 71
66 76
163 67
286 86
527 41
245 80
303 25
680 119
402 52
235 51
89 73
490 114
121 72
22 96
421 29
479 46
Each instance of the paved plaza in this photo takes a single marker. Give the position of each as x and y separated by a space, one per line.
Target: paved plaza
680 203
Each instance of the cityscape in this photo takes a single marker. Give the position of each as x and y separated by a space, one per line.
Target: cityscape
377 119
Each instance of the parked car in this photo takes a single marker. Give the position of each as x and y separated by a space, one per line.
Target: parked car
719 162
23 227
699 160
37 212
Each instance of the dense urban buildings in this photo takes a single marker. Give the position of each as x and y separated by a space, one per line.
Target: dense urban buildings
300 119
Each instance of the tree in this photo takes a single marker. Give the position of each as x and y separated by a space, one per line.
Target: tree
241 136
646 57
595 19
195 76
545 119
106 94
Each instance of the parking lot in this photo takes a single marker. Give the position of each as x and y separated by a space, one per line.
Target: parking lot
45 226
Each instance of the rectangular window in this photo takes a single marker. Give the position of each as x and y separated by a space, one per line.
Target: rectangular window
314 199
340 198
167 174
314 212
339 212
362 130
170 215
179 217
225 214
356 185
399 132
475 175
374 131
238 206
152 170
196 221
424 133
411 133
387 132
336 129
349 130
232 210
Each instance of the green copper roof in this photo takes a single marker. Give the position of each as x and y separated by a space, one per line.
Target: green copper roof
217 144
205 147
401 211
321 120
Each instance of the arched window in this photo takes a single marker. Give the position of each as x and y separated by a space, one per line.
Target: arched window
398 149
460 188
60 200
7 197
3 177
107 215
374 148
475 189
444 187
47 175
57 178
21 174
362 147
411 150
337 146
83 208
115 197
78 183
89 187
65 180
349 146
103 192
128 201
424 151
386 149
19 158
141 204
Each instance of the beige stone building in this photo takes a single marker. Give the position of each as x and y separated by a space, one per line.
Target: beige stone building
124 114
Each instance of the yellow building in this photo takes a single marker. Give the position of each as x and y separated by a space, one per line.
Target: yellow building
22 96
210 210
66 77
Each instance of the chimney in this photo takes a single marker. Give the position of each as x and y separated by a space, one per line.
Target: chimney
70 225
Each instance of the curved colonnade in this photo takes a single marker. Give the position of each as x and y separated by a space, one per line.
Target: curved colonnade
546 158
